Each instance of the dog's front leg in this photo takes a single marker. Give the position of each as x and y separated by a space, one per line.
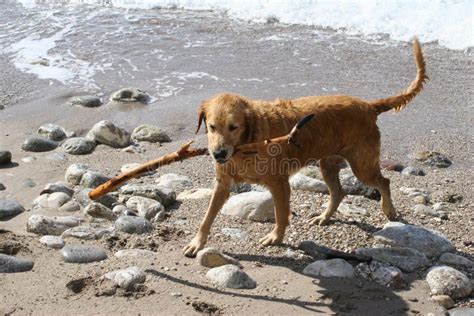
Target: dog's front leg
220 195
280 191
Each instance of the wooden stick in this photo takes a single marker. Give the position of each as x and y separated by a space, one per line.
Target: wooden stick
185 152
315 250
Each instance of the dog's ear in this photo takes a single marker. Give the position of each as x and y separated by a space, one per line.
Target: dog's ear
201 117
249 134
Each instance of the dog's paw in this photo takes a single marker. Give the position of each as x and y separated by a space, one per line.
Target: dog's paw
272 239
191 249
319 220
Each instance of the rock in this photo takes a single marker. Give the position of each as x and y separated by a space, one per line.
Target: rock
5 157
78 146
211 258
404 258
9 209
445 280
413 171
391 165
38 144
44 225
230 276
302 182
160 216
130 95
92 179
126 278
330 268
150 133
349 209
175 182
9 264
387 276
2 187
443 300
52 131
443 208
83 254
29 183
28 159
136 253
88 101
235 233
135 148
41 202
120 209
255 206
195 194
312 172
452 259
426 210
105 132
420 199
131 166
57 187
145 207
71 206
86 232
427 241
353 186
52 242
163 195
434 159
75 172
98 210
462 311
83 198
133 225
57 199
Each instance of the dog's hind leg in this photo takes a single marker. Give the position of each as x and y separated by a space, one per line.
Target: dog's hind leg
330 168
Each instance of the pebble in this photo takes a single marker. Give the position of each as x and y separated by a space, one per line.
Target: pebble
195 194
430 242
121 209
9 264
212 258
150 133
443 300
57 199
428 210
349 209
175 182
92 179
254 206
78 146
462 311
98 210
145 207
88 101
28 159
52 131
133 225
413 171
83 198
9 209
41 202
28 183
75 172
71 206
130 95
57 187
38 144
391 165
353 186
54 242
444 280
452 259
44 225
83 254
302 182
231 276
434 159
420 199
2 187
386 276
135 253
406 259
105 132
160 216
163 195
5 157
235 233
330 268
126 278
86 232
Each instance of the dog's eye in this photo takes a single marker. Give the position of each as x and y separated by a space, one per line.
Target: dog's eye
212 128
233 128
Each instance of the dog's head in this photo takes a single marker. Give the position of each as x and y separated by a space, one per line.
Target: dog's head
228 121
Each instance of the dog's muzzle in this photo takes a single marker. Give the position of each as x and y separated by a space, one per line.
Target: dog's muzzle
220 155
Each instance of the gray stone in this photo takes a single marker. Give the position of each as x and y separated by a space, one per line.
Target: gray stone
75 172
88 101
425 210
71 206
230 276
99 211
443 208
430 242
107 133
78 146
9 264
52 131
404 258
2 187
160 216
150 133
5 157
83 198
130 95
302 182
175 182
133 225
255 206
353 186
195 194
54 242
29 183
41 202
9 209
462 311
211 258
38 144
349 209
92 179
44 225
126 278
83 254
382 274
57 199
235 233
330 268
434 159
57 187
145 207
120 210
443 300
413 171
56 157
135 253
86 232
455 260
163 195
445 280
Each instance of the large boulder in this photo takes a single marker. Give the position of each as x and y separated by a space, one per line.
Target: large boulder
404 258
255 206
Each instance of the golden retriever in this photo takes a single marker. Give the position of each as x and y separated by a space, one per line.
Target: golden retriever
344 127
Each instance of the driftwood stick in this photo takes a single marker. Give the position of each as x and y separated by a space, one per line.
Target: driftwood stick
315 250
186 152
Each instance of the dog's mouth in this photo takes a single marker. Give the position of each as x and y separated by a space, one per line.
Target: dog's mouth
221 161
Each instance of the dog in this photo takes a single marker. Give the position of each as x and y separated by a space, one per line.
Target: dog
344 127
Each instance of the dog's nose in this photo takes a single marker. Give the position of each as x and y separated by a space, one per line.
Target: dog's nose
220 154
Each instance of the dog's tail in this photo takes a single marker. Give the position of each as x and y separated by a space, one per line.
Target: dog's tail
400 101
